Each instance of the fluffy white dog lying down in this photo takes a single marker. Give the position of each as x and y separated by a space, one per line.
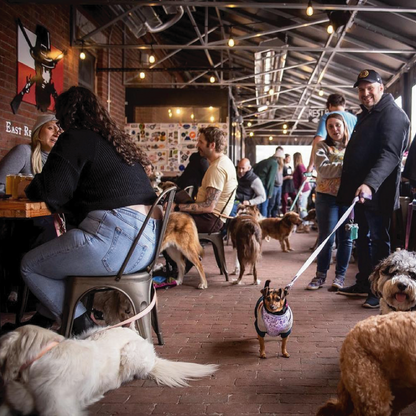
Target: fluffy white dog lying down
77 372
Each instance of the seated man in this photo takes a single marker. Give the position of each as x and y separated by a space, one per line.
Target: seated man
250 190
216 193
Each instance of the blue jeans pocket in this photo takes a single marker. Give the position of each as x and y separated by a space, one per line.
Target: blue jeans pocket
119 248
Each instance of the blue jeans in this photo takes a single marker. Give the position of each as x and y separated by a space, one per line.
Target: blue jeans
97 247
328 214
264 205
274 202
373 243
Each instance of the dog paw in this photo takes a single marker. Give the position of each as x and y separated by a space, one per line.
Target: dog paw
257 282
263 356
286 355
202 286
179 282
236 282
235 272
291 249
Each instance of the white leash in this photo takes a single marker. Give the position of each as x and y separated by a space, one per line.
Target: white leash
321 246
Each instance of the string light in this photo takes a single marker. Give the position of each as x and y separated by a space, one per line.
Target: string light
212 79
321 92
192 116
142 75
284 126
178 111
270 138
231 41
330 29
284 131
251 134
82 54
309 9
152 58
249 124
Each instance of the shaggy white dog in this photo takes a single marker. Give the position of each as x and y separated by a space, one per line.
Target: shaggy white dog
394 281
77 372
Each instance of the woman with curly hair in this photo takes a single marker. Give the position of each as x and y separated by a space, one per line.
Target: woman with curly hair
94 172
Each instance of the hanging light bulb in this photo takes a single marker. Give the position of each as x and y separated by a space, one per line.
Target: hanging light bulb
271 91
211 119
284 131
249 124
178 111
309 9
192 116
321 92
152 59
251 134
270 138
330 29
212 79
284 126
231 41
82 54
142 75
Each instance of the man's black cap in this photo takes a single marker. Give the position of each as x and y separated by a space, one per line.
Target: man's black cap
368 75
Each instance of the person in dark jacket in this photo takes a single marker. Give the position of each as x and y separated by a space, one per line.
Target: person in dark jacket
193 173
410 167
371 171
266 171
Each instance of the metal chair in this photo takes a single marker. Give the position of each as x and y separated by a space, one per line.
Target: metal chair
216 239
138 287
190 190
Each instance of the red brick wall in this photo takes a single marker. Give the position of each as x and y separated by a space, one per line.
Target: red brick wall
57 20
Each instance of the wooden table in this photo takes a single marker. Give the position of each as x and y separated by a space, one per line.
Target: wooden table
22 208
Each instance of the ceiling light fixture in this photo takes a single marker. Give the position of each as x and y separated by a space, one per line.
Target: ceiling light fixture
309 9
330 29
142 75
321 92
337 19
192 116
231 41
251 134
212 79
262 108
271 91
284 131
270 138
284 126
152 58
211 119
249 124
82 54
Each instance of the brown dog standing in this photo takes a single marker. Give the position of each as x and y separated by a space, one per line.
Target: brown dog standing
280 228
273 317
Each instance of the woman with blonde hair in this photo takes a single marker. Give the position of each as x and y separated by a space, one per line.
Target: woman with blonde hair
29 159
329 159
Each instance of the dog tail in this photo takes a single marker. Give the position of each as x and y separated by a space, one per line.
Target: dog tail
177 374
342 406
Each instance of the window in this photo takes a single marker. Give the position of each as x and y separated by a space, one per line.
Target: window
398 101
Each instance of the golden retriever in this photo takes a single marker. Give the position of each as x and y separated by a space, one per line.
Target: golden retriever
76 373
280 228
245 233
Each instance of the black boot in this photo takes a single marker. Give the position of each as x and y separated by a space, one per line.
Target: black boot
82 323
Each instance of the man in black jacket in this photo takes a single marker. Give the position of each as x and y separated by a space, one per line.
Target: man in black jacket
371 169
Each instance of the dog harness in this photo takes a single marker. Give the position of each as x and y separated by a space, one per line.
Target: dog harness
273 323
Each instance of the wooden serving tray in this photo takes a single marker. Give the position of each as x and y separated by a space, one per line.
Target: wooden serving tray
22 208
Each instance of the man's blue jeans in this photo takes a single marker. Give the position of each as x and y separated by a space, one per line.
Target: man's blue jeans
263 206
274 202
328 214
373 243
97 247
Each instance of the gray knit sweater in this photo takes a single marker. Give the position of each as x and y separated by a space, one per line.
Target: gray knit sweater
18 160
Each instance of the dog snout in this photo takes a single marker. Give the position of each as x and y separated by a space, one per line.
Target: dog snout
402 286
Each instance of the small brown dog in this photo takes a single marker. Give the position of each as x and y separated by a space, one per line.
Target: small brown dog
273 317
245 233
378 361
280 228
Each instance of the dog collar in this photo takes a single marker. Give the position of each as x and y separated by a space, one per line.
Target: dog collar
43 351
397 310
281 312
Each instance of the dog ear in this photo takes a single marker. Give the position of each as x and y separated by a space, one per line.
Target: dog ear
375 277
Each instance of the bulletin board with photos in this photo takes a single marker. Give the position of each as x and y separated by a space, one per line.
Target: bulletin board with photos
169 145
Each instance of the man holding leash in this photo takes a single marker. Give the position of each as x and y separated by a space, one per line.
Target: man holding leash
371 170
216 194
250 190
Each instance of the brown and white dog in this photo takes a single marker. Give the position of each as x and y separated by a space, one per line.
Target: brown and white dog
273 317
280 228
394 282
181 242
245 233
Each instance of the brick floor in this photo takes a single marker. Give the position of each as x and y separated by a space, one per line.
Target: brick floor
216 326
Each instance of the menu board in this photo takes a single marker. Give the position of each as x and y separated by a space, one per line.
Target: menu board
168 145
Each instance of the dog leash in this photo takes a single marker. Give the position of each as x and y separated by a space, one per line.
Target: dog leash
135 317
321 246
42 352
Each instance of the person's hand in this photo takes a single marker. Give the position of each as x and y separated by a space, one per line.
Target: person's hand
246 203
363 190
309 169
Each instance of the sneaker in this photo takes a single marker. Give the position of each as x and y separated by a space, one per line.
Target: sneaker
338 282
316 283
353 290
371 302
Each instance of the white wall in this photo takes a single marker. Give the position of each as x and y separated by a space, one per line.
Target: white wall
265 151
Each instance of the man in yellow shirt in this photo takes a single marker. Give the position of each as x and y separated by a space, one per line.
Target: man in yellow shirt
217 192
